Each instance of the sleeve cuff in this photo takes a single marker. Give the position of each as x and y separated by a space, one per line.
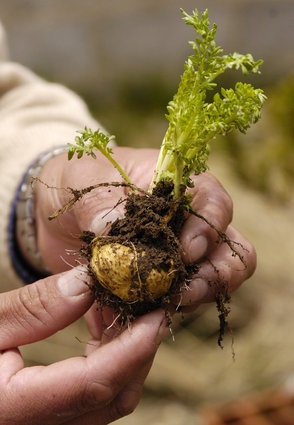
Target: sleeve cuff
24 270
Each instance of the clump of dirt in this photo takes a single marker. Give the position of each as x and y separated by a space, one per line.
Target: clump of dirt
150 227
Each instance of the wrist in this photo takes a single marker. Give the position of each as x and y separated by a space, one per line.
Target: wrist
23 240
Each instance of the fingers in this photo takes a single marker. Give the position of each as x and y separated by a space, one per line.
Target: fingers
38 310
101 324
214 208
104 386
122 405
224 267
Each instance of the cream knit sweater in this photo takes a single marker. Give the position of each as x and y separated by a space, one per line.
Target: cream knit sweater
34 116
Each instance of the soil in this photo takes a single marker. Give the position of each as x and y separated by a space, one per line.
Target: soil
151 226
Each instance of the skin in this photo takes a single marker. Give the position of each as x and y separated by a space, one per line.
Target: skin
93 390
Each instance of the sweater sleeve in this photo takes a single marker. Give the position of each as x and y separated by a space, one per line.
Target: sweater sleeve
35 116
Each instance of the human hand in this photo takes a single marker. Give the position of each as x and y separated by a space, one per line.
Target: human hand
208 238
100 206
96 389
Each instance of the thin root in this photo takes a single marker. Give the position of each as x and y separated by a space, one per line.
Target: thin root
222 299
223 237
77 194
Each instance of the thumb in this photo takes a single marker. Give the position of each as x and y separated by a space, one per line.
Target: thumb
102 221
98 208
37 311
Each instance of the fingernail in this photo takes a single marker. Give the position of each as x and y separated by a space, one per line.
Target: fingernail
200 289
195 293
198 248
73 282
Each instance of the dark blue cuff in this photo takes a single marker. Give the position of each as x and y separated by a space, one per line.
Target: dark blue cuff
24 270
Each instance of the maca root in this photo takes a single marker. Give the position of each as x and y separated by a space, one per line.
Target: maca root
138 266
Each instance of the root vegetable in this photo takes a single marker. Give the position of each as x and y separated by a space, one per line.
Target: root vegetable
117 267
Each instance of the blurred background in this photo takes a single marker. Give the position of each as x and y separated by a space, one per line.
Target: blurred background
125 59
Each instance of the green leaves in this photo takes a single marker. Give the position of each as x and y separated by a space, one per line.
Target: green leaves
232 109
88 141
193 120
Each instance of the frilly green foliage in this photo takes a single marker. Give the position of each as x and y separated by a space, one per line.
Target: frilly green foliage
193 120
88 141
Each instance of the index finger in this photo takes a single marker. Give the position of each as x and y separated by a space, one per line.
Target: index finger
65 390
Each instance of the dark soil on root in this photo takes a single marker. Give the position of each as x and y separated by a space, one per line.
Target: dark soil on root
151 223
